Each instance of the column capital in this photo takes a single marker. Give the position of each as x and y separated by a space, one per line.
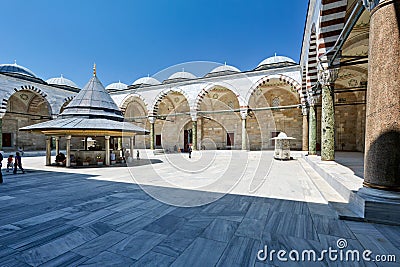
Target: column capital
193 115
327 76
68 137
371 4
152 119
304 111
244 112
107 137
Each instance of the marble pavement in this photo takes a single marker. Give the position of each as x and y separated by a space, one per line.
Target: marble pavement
102 216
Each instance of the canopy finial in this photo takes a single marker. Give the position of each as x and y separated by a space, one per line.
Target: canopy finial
94 69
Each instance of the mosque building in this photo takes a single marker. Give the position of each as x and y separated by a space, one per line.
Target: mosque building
343 95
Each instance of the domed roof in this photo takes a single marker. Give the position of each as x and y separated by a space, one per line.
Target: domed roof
117 86
62 81
276 59
147 81
15 68
225 68
182 75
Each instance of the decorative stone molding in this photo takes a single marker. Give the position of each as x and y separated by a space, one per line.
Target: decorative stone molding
371 4
327 76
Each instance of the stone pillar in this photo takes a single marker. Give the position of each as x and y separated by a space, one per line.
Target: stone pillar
68 148
194 134
152 120
131 145
305 130
312 140
327 78
48 150
57 145
119 143
382 133
243 116
107 139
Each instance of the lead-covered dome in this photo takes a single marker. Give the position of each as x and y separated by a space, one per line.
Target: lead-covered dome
182 75
146 81
276 61
222 70
16 69
62 81
117 86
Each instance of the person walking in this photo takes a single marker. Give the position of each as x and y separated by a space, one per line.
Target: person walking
190 152
18 163
10 161
137 155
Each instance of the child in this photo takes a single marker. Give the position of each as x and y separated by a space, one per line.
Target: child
10 162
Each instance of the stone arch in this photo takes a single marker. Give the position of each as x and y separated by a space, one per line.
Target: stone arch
25 107
66 101
295 86
209 87
329 30
154 108
35 90
129 98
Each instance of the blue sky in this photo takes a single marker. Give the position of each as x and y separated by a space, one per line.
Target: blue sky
130 39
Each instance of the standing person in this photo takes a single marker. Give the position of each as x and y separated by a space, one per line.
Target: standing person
1 164
137 155
10 161
18 163
190 152
21 151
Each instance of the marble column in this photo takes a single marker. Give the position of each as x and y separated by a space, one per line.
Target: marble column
68 148
119 143
48 150
243 115
152 133
382 133
57 145
131 145
194 134
305 130
107 141
312 140
327 78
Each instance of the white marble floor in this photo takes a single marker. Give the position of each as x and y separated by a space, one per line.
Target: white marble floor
218 208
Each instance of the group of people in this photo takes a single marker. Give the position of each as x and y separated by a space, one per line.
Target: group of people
13 163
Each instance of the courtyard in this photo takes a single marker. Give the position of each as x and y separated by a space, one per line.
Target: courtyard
219 208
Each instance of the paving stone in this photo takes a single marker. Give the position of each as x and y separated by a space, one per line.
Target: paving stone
165 225
154 259
107 258
220 230
202 252
138 244
241 251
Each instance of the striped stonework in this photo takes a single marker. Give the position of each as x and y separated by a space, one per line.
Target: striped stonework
332 20
312 63
131 98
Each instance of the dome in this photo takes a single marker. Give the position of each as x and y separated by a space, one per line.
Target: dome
184 75
276 59
15 68
117 86
62 81
225 68
147 81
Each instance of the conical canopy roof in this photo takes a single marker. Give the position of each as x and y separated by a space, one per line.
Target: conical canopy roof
93 101
92 110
